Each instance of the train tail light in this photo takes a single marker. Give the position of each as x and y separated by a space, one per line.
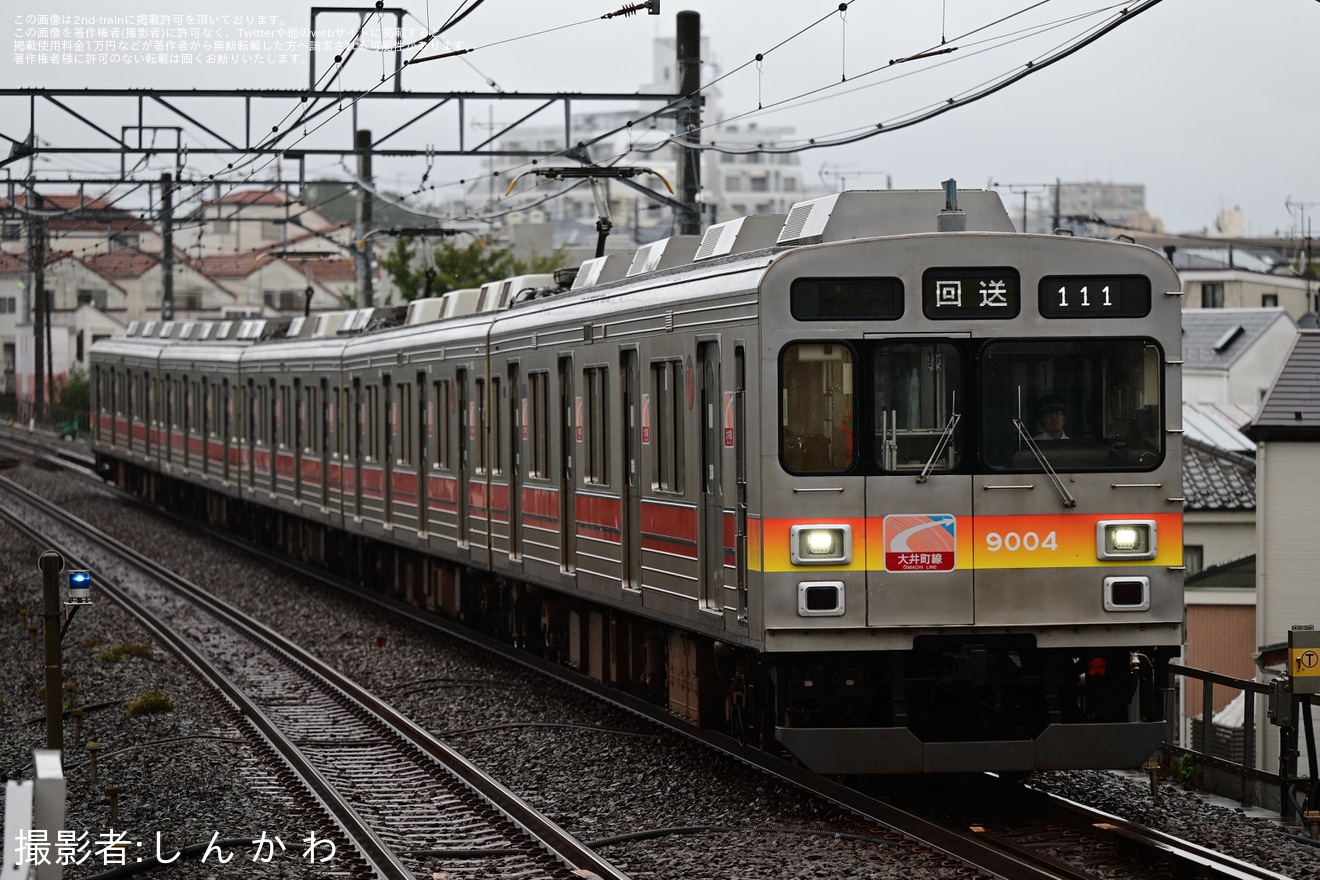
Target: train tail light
1097 666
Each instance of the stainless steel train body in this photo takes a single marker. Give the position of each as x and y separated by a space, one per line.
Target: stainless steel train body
791 477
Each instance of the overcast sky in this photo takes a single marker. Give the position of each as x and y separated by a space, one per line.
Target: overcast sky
1210 103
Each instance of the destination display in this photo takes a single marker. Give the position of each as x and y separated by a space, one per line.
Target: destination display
1095 296
978 293
858 299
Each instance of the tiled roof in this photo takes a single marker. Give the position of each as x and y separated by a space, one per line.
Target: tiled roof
1219 425
1214 479
123 263
231 265
1214 338
251 197
79 212
1247 260
326 270
1238 574
1291 410
12 265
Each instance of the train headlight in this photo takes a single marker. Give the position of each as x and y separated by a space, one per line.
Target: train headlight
821 544
1126 539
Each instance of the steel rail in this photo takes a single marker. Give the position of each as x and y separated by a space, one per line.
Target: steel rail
568 849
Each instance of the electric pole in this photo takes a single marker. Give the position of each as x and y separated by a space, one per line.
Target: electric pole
688 176
40 314
166 247
363 255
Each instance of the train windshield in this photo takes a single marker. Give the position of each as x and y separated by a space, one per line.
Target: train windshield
817 407
1084 404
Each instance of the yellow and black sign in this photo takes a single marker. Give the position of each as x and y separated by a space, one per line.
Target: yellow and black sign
1304 660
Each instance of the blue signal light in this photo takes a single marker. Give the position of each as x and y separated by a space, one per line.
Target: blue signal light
80 588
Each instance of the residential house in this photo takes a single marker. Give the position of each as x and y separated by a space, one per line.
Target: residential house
1226 277
1287 434
1231 355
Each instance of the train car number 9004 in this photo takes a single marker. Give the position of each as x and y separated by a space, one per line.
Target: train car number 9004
1012 541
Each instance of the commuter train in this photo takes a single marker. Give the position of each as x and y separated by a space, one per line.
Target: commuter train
881 483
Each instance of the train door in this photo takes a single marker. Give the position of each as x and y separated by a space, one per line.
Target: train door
250 421
355 415
567 445
710 541
298 414
224 417
918 502
739 440
389 429
273 433
324 415
514 423
631 510
467 434
423 455
187 422
208 424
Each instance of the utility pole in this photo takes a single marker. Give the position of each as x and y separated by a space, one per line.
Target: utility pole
1024 189
363 256
40 315
688 177
166 247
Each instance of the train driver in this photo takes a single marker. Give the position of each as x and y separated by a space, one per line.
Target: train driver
1052 418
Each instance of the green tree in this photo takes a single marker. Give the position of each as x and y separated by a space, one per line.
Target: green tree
459 266
76 394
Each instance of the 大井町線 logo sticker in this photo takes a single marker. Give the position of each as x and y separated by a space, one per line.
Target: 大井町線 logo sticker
921 542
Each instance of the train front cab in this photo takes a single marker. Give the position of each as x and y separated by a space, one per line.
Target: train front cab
935 600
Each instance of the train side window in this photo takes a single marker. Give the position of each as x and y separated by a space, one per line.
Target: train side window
479 425
496 432
372 405
816 407
667 387
918 391
402 418
596 380
538 424
441 425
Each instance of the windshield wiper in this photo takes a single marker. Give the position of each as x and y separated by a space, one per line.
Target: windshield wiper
939 447
1068 500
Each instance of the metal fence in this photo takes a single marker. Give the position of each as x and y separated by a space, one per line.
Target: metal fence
1225 758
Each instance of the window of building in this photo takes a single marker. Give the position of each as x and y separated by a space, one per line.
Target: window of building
221 227
8 305
190 299
282 300
1212 295
272 229
1269 300
91 297
1193 557
733 184
760 183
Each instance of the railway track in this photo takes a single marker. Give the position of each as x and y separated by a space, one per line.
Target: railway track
394 798
1007 833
